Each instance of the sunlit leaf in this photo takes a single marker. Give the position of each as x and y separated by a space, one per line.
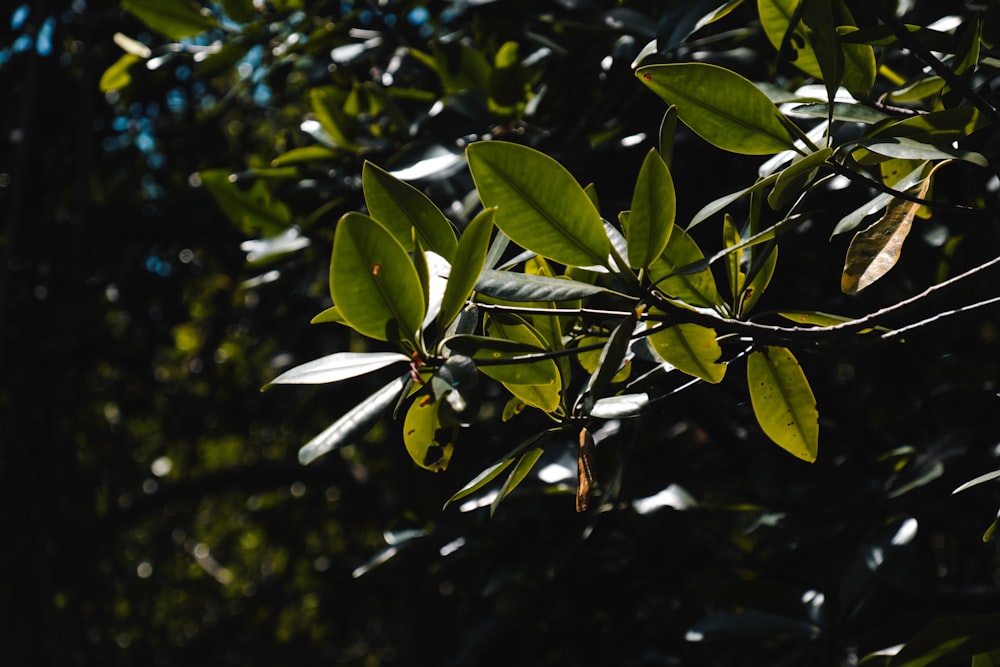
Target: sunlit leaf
339 366
760 278
733 260
697 289
175 19
330 315
651 218
783 401
355 423
692 349
540 206
720 106
668 127
537 383
303 154
373 281
117 76
469 259
402 208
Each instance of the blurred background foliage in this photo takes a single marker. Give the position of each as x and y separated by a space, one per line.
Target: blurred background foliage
166 234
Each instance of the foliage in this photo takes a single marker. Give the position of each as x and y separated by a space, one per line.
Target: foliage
552 229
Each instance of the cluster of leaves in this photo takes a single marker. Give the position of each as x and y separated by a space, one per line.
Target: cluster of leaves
582 315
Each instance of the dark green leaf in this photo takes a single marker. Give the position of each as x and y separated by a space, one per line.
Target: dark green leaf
174 19
252 209
355 423
523 287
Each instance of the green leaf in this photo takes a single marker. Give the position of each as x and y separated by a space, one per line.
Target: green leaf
721 107
848 112
517 475
783 401
428 443
759 281
734 259
304 154
696 289
469 259
330 315
338 126
608 365
795 177
373 281
950 641
822 34
540 206
691 349
668 128
339 366
117 76
881 201
776 17
486 349
713 207
174 19
402 208
523 287
493 471
252 210
654 206
355 423
537 383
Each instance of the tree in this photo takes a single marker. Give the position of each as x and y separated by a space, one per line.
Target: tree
613 325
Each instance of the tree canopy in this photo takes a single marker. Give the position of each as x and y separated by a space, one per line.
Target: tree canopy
630 276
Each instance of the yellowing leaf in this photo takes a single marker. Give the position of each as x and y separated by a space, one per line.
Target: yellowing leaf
875 249
783 401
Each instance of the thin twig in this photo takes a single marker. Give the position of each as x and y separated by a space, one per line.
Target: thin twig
940 316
